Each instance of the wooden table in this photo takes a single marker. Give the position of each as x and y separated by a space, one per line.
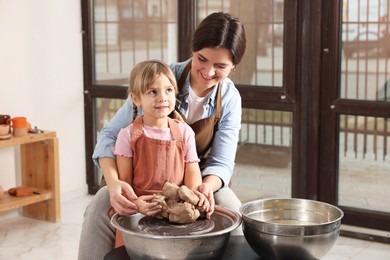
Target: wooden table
39 171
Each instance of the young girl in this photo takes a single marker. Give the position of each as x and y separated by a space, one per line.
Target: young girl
155 149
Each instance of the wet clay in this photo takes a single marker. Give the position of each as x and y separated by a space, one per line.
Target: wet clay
178 204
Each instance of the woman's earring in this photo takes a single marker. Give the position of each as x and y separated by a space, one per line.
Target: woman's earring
232 71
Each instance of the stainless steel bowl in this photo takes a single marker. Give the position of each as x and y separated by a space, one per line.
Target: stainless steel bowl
211 245
290 228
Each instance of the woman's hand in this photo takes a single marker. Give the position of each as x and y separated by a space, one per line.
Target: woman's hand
206 190
146 206
121 197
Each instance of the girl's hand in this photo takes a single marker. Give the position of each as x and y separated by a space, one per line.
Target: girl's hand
146 207
203 204
207 191
121 197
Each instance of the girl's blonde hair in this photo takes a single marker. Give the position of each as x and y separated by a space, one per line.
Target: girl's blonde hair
142 76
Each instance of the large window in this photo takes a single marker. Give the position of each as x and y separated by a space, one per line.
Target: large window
127 32
364 161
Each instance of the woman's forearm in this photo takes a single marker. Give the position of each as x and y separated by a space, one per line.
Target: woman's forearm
214 181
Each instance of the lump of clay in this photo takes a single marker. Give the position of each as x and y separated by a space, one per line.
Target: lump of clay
170 191
164 210
183 213
21 191
188 195
178 204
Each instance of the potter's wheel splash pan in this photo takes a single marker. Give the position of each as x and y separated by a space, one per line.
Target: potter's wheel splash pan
142 241
165 228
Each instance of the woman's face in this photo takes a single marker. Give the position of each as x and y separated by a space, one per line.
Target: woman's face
157 102
209 67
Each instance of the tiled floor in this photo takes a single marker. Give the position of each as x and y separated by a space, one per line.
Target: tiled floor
28 239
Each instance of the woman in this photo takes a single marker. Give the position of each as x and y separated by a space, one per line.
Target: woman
210 104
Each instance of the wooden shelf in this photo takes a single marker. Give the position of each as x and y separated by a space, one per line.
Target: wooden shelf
39 171
9 202
30 138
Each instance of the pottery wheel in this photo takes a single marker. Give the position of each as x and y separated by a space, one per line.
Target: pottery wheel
163 227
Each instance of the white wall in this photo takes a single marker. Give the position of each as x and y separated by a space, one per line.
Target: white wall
41 78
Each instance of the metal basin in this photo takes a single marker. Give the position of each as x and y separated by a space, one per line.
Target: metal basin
290 228
141 243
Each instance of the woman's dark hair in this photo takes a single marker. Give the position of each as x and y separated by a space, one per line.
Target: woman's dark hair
221 30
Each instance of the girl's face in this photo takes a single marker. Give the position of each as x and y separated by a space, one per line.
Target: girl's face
209 67
157 102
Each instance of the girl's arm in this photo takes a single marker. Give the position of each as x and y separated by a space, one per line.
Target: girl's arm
193 180
192 176
125 169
